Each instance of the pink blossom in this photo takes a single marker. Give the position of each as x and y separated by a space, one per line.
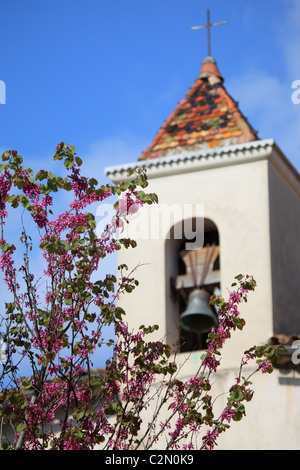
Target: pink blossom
227 414
265 366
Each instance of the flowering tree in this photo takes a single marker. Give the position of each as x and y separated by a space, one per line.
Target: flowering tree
64 404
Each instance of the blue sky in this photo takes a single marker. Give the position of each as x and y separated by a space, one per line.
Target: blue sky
104 75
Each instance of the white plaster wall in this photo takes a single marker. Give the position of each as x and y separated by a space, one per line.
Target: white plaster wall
236 199
272 417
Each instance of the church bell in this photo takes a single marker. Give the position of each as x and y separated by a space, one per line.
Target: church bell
198 317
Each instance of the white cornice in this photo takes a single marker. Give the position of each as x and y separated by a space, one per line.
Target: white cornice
207 159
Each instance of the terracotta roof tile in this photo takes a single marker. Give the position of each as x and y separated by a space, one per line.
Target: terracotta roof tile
207 117
284 340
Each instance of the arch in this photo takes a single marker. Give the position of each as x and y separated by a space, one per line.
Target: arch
178 282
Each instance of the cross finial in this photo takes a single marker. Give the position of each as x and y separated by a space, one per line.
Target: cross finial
208 26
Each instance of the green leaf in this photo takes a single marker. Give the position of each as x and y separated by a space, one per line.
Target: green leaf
85 296
51 248
131 172
112 408
26 383
13 398
125 185
5 156
42 174
154 197
5 247
119 312
18 159
5 445
78 161
237 416
69 162
21 427
240 408
236 395
64 244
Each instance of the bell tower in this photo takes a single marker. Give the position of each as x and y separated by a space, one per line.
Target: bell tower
229 203
197 165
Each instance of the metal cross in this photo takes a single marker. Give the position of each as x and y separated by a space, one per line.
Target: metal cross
208 26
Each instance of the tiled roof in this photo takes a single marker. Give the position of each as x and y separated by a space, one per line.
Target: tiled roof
284 340
206 118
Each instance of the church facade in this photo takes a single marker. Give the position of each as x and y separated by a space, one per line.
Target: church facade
229 203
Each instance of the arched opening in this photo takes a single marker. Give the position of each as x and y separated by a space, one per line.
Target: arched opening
194 275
